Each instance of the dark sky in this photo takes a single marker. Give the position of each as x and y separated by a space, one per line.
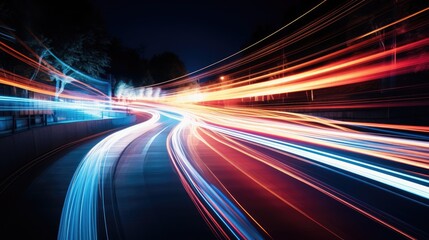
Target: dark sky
200 32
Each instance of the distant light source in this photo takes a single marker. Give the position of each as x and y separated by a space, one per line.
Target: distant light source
222 78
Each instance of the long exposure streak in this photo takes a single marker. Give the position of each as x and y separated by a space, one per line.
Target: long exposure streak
318 130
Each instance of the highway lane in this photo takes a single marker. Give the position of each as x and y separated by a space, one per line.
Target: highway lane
256 175
80 217
33 204
151 202
126 187
249 173
142 196
297 195
204 173
299 177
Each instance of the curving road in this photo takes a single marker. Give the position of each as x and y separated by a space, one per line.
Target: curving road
205 173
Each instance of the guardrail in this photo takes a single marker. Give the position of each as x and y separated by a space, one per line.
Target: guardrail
20 122
23 147
20 114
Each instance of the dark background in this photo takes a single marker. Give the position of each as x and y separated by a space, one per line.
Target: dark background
199 32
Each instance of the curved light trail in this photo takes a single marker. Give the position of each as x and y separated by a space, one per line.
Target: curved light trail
205 195
393 165
281 158
79 216
256 171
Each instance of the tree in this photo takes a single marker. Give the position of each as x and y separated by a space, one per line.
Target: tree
166 66
71 38
128 65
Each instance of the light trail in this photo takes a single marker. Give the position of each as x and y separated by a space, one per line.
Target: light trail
16 104
404 182
79 215
320 142
355 61
306 179
204 194
344 72
25 83
377 146
82 102
282 143
255 173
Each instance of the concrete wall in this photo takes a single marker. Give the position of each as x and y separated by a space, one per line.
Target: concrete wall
20 148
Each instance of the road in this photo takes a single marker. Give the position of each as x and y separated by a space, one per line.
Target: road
206 173
33 203
300 177
138 179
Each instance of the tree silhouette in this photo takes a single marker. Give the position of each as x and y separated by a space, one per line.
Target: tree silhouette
73 33
127 65
166 66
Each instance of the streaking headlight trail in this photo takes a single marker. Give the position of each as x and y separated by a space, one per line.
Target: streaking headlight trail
319 133
79 216
399 180
211 202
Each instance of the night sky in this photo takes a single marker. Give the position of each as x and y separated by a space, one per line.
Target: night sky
200 32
